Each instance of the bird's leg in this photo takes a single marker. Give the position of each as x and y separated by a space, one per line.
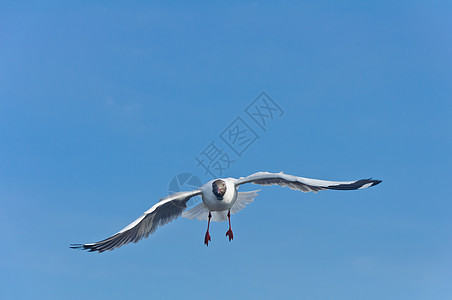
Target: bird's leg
207 237
229 232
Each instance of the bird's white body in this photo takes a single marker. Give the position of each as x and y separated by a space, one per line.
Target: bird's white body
211 201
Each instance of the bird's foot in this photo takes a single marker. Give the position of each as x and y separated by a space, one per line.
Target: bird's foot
207 239
230 234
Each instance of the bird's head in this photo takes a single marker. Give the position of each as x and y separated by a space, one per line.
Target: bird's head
219 188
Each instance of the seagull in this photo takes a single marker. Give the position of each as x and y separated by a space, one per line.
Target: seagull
220 200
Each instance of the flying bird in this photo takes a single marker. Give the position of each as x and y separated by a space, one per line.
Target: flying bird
220 200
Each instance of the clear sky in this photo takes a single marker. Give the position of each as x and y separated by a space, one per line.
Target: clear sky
103 103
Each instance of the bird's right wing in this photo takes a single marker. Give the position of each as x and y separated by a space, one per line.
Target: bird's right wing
166 210
304 184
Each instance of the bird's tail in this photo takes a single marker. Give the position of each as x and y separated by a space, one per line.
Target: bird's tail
200 212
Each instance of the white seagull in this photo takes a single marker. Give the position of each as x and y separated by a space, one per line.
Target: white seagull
220 199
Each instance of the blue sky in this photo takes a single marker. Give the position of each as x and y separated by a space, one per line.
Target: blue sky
103 103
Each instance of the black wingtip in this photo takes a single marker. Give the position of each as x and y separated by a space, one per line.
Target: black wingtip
77 246
375 182
88 247
355 185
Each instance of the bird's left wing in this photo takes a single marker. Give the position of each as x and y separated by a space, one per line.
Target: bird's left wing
304 184
166 210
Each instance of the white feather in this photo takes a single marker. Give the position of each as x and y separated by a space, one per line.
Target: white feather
201 212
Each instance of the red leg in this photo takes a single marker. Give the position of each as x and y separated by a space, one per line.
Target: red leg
229 232
207 237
